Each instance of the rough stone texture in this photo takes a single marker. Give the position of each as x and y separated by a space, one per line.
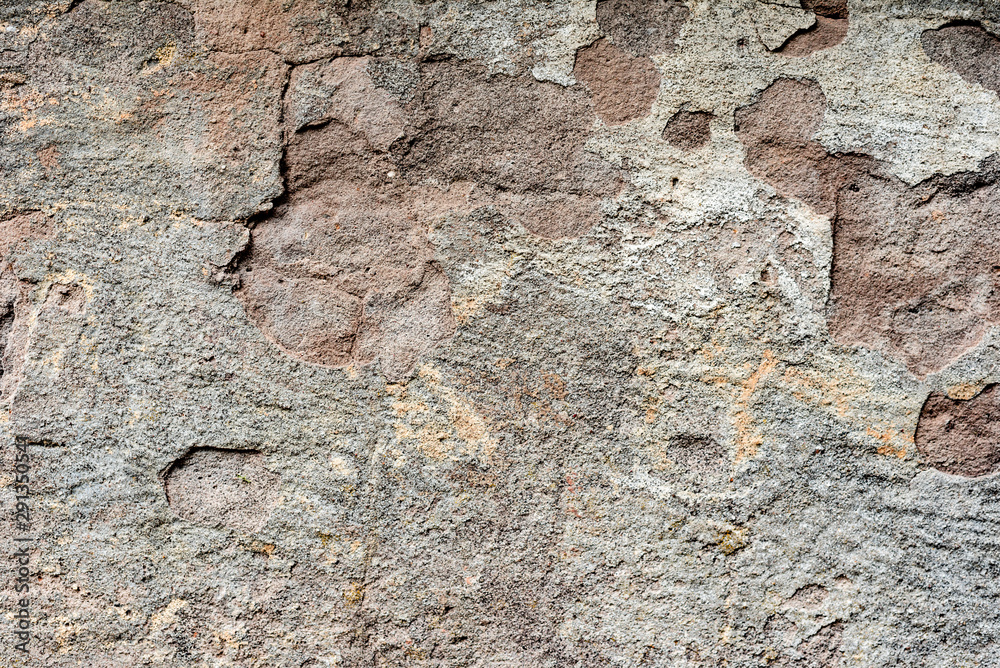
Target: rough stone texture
624 87
221 488
642 27
960 436
688 130
970 50
384 333
778 23
829 28
914 267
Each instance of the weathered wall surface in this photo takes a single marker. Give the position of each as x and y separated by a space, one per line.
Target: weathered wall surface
511 333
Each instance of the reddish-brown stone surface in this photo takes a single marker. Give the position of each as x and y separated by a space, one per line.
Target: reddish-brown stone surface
234 26
302 31
777 132
624 86
961 436
340 276
17 229
342 271
519 140
829 30
914 268
643 27
688 130
968 49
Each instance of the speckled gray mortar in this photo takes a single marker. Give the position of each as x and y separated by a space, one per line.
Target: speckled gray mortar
631 442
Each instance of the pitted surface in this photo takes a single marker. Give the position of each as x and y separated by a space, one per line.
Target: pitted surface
501 333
